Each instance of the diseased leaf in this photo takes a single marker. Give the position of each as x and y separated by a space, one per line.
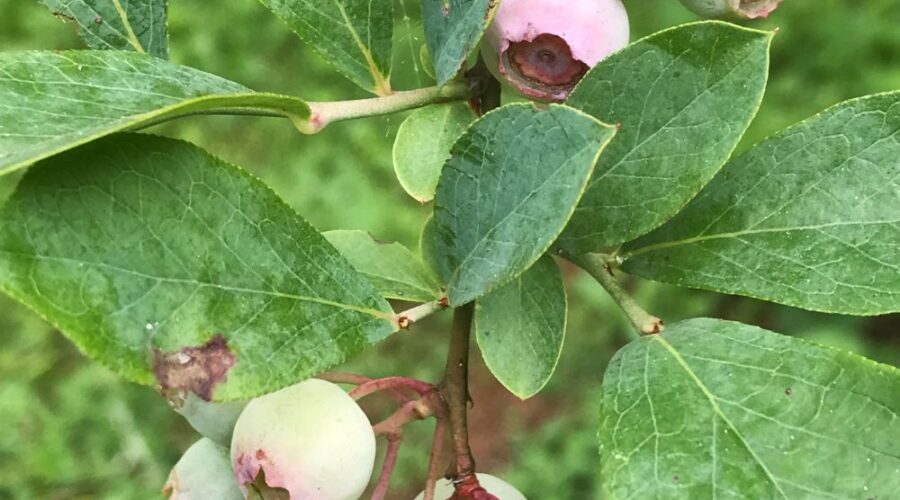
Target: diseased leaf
808 218
170 266
391 267
423 146
138 25
452 29
683 98
520 328
507 191
353 35
53 101
716 409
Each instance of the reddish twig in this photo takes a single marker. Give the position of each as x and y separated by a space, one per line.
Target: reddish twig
343 378
437 445
387 470
388 383
455 391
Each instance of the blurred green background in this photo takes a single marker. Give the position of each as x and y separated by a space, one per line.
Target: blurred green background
72 430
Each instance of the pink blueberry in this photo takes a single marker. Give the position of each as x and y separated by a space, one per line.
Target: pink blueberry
542 48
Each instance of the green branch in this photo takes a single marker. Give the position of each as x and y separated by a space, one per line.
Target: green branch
600 268
324 113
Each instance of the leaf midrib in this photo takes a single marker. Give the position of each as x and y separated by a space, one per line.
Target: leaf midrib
717 409
132 37
746 232
203 284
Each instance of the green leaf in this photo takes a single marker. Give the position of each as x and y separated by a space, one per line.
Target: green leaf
394 270
808 218
53 101
423 146
683 98
507 192
520 328
138 25
719 409
353 35
453 28
427 248
170 266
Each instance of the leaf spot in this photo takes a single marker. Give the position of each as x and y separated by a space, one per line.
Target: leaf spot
194 369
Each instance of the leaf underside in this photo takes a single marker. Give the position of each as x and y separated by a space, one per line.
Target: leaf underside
353 35
51 102
136 25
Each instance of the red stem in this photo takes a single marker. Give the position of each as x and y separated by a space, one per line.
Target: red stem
390 461
388 383
437 445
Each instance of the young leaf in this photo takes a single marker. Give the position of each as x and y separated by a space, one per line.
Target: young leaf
171 267
394 270
508 190
137 25
719 409
809 218
423 146
353 35
54 101
520 328
452 29
684 98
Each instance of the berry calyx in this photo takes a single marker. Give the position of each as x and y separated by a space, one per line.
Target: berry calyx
543 49
203 473
311 440
491 487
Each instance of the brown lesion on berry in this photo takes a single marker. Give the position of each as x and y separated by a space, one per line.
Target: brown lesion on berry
543 67
193 369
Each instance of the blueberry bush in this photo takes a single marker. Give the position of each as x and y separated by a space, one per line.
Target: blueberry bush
546 138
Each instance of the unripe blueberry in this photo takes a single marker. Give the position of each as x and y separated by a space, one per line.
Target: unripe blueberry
203 473
213 420
741 9
542 48
310 439
494 485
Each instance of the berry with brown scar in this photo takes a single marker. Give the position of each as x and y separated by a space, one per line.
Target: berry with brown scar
310 440
542 48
